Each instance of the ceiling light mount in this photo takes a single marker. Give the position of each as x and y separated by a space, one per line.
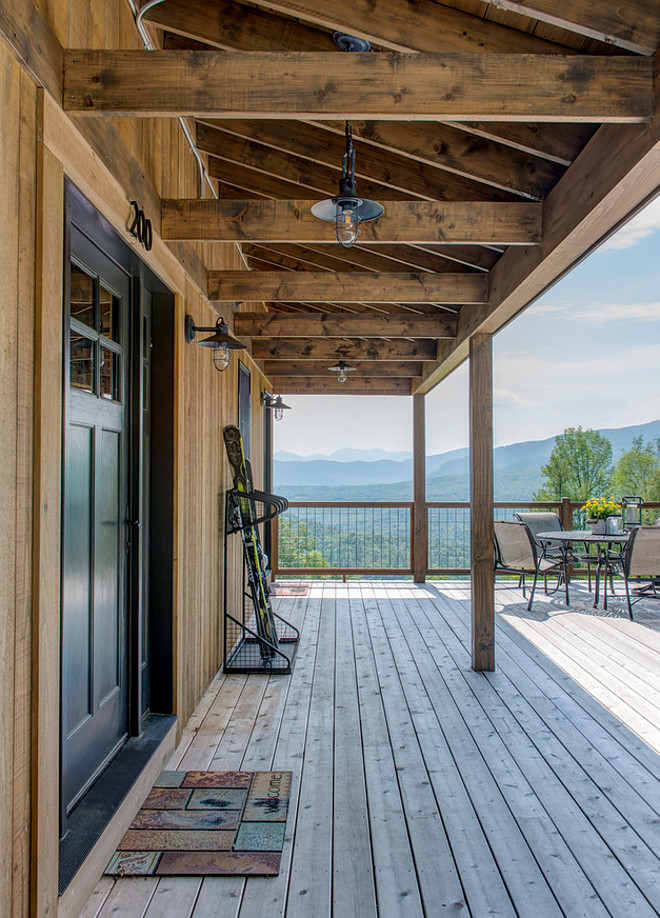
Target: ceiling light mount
350 42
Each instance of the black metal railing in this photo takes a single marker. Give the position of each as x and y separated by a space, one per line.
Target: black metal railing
375 538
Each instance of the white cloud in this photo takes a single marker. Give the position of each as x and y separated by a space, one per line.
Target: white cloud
600 313
645 223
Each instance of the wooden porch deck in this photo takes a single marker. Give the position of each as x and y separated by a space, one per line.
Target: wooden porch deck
424 788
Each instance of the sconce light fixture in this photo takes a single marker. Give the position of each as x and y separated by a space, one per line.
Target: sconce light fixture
221 340
342 370
275 404
346 210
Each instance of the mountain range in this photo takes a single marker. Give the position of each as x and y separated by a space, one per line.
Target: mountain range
354 474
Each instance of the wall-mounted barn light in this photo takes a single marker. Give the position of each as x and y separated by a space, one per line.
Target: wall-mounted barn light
221 340
346 209
342 370
275 404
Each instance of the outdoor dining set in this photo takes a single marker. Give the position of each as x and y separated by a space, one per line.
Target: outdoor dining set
536 544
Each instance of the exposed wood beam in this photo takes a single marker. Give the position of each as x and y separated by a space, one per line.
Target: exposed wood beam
324 147
617 172
231 26
449 148
365 385
630 24
320 325
390 368
424 349
368 86
420 26
363 287
403 221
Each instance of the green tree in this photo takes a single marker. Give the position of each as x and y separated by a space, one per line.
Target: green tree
297 548
580 466
638 470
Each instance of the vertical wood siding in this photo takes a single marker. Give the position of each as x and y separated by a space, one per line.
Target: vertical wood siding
206 401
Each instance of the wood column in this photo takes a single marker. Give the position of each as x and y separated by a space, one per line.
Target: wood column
481 502
420 526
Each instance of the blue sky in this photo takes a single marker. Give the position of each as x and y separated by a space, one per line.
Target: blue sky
587 352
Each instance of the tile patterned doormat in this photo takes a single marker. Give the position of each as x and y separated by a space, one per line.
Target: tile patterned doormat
207 823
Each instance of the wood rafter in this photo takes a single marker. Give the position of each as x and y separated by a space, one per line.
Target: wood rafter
403 221
364 385
422 26
325 325
230 26
389 368
322 286
359 86
632 24
618 171
296 151
424 349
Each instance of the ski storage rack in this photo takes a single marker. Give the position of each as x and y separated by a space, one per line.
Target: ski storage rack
258 640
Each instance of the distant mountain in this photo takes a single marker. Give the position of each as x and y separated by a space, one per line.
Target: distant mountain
517 469
344 455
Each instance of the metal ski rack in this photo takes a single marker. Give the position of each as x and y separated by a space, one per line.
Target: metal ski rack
257 640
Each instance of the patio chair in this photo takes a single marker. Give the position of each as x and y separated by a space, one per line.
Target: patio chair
640 561
549 521
516 553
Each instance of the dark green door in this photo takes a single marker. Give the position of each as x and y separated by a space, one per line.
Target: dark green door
94 651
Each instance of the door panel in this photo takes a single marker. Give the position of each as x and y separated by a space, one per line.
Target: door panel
95 505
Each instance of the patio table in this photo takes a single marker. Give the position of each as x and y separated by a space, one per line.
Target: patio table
603 543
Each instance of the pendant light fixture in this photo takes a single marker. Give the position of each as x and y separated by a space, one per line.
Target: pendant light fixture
221 340
346 210
342 370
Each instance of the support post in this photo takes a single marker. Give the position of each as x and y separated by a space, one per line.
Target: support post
420 524
481 502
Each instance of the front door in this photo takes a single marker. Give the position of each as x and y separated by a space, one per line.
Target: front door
95 507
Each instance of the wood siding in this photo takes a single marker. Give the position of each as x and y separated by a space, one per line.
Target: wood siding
38 147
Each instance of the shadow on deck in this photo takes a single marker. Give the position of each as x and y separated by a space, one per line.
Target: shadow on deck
424 788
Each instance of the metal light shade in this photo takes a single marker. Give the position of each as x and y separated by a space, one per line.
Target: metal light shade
221 337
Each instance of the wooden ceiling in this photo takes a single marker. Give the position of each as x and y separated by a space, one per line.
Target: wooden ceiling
503 138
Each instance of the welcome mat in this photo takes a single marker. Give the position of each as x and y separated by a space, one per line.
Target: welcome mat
207 823
289 589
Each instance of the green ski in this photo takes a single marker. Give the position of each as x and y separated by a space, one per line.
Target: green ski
255 560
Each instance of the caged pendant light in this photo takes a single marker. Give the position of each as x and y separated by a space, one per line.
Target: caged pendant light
342 370
346 209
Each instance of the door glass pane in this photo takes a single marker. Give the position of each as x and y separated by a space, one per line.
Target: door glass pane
82 362
82 296
109 374
109 311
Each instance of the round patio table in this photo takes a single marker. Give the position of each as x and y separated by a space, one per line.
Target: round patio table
602 541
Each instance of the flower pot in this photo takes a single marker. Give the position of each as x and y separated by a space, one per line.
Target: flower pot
598 527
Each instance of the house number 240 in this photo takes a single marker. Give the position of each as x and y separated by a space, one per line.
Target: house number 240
141 227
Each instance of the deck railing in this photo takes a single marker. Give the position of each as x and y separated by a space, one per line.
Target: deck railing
375 538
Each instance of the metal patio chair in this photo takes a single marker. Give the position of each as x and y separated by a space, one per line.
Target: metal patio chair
516 552
549 521
640 561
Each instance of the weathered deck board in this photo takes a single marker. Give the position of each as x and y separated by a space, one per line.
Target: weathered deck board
422 788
